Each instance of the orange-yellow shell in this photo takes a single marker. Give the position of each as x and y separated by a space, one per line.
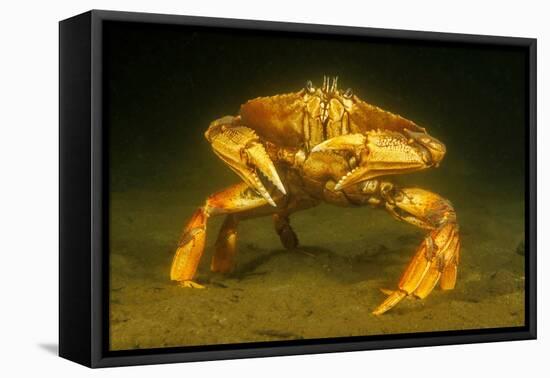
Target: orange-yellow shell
365 117
292 120
277 119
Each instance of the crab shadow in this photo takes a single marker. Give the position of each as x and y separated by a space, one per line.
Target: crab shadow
253 267
309 259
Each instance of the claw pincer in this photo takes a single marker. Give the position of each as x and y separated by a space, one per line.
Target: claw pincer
242 150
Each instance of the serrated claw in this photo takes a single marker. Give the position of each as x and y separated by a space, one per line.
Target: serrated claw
261 160
384 152
240 148
353 143
256 183
354 176
342 142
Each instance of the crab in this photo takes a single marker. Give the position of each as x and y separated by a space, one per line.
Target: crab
320 144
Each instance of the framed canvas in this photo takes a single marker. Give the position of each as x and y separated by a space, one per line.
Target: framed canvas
234 188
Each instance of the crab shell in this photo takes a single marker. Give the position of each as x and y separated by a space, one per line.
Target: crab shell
309 117
320 119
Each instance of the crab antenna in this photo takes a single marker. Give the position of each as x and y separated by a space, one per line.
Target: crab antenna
334 84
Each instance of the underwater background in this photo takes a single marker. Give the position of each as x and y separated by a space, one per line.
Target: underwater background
163 86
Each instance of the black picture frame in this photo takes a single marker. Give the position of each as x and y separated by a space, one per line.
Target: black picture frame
83 198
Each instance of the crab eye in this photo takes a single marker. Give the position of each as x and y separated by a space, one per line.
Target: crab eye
348 93
309 87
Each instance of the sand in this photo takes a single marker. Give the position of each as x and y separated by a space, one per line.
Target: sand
325 288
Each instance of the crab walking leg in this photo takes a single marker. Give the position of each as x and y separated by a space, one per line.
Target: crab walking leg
437 257
281 219
237 198
226 246
284 230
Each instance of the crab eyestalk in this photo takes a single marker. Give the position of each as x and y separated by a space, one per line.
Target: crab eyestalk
382 153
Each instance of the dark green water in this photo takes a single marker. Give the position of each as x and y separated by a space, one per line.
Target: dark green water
164 85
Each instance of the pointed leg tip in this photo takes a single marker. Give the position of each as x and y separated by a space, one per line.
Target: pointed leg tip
190 284
379 310
394 298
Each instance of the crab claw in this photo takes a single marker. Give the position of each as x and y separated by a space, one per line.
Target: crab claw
261 160
383 152
436 149
240 148
354 143
342 142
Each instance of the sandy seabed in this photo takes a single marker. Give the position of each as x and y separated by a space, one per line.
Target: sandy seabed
325 288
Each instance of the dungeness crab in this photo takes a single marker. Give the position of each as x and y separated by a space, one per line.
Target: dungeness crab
295 150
